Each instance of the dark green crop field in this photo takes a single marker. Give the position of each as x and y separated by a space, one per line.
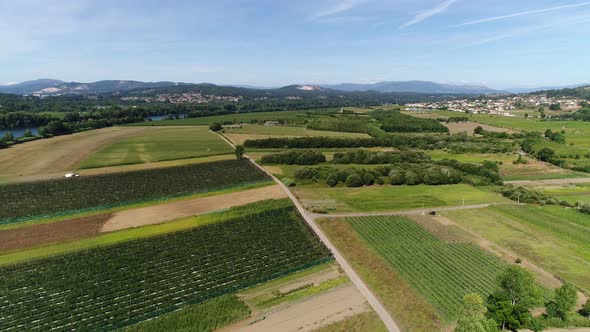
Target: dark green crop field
25 200
111 287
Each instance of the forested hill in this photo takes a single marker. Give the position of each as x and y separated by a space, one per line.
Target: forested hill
582 92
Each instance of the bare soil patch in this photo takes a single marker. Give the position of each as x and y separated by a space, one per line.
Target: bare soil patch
310 314
58 154
468 127
186 208
55 232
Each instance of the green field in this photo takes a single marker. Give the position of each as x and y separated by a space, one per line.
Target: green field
251 117
393 198
205 317
287 131
98 288
111 238
47 198
159 145
554 238
441 271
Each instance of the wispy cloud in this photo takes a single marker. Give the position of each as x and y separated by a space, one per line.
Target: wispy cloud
524 13
526 30
428 13
338 8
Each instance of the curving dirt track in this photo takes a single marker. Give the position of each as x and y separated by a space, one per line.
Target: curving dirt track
59 154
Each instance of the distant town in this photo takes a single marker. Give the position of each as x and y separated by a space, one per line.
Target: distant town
501 105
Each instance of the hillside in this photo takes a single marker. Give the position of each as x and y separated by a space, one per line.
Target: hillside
414 86
50 87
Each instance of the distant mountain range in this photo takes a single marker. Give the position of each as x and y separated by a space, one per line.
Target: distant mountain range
52 87
414 86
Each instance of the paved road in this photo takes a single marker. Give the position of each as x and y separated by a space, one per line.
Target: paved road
356 280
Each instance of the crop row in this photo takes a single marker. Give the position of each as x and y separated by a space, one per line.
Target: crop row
62 195
110 287
442 272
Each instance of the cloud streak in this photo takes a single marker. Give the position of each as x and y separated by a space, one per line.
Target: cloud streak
524 13
526 30
428 13
338 8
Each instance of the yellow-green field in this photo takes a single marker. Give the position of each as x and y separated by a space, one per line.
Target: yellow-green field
393 198
554 238
157 145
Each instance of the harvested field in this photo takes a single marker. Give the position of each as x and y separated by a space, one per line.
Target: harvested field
468 127
59 154
38 235
167 212
310 314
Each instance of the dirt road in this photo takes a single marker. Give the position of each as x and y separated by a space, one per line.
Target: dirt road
309 315
551 182
166 212
404 212
358 282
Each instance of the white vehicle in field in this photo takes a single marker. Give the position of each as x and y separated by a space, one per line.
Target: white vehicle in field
71 175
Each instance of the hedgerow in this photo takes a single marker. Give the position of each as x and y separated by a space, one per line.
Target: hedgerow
302 157
377 157
458 143
32 199
432 173
395 121
111 287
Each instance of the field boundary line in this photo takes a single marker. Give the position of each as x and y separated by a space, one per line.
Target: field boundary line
406 212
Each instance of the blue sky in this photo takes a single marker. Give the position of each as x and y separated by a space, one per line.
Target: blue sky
501 43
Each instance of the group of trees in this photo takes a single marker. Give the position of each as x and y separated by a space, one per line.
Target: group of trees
405 173
295 157
14 120
457 143
529 196
510 306
455 119
558 137
396 122
377 157
498 134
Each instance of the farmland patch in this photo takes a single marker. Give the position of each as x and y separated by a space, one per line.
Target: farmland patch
34 199
111 287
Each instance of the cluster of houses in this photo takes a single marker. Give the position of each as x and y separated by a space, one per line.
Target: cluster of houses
182 98
499 105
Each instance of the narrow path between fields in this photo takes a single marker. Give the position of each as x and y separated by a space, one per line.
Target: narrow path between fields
405 212
548 182
358 282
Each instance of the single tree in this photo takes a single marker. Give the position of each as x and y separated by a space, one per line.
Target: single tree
8 137
478 130
215 126
545 154
472 318
564 302
518 293
239 152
